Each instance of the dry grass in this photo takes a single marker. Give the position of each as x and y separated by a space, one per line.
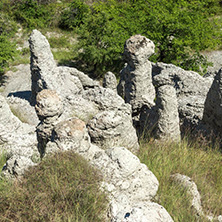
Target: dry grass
197 160
61 188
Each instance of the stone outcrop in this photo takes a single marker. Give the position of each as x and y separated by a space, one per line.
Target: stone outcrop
212 113
168 123
135 84
191 91
130 184
18 140
110 81
48 107
81 96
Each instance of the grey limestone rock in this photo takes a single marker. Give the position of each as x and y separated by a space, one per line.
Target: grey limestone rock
168 123
23 110
18 140
71 134
191 187
191 91
212 112
109 81
129 183
113 128
48 107
135 84
42 62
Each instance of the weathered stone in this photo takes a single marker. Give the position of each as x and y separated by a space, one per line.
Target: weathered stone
192 190
23 110
42 62
113 128
135 84
109 81
213 109
71 134
48 104
168 123
48 107
17 139
191 91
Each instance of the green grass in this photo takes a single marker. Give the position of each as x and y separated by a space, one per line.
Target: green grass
198 161
61 188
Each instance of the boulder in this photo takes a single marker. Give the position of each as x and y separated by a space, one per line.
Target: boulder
113 128
191 90
18 140
135 84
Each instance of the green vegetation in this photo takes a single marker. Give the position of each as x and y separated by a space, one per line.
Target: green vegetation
61 188
194 159
179 29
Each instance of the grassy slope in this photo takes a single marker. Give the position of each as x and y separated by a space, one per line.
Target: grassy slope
200 162
62 188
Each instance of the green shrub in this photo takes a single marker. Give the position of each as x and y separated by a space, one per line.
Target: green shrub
73 15
63 187
33 13
179 29
7 51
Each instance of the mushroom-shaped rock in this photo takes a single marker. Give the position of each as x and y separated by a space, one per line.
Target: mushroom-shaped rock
135 84
49 107
48 104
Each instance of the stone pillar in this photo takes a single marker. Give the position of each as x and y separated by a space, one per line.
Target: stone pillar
135 84
48 107
168 123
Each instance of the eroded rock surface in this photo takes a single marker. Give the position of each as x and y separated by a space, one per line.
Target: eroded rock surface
18 140
135 84
191 91
168 123
110 81
130 184
213 109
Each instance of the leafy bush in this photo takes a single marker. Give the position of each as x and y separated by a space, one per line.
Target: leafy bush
73 15
33 13
179 29
61 188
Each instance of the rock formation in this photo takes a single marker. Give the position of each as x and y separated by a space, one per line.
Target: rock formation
212 113
48 107
109 81
168 123
130 184
191 90
81 96
135 84
18 140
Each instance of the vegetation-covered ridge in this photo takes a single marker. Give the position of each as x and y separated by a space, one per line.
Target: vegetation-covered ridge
179 29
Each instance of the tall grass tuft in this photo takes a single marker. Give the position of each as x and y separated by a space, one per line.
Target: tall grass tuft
198 161
61 188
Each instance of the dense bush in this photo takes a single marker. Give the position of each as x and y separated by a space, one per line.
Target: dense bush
179 29
7 49
33 13
74 14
